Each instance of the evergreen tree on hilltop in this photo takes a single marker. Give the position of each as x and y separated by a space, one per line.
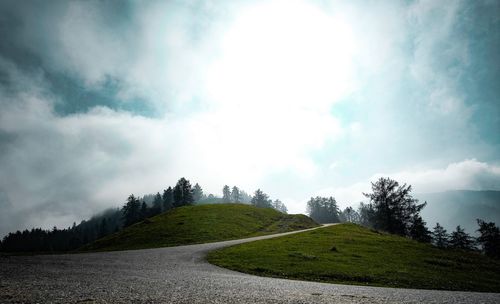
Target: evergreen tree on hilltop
197 193
183 194
144 210
168 199
245 197
226 194
418 230
261 200
323 209
278 205
366 214
235 195
489 238
461 240
131 211
440 237
350 215
394 207
157 204
103 228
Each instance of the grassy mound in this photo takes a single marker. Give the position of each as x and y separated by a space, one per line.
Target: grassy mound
351 254
201 224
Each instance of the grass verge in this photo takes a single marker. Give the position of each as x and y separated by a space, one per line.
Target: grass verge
351 254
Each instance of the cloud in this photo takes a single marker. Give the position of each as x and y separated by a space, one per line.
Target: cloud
88 45
66 168
441 55
312 96
469 174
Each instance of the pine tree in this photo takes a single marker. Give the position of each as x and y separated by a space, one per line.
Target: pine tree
418 230
168 199
350 215
278 205
183 194
366 214
489 238
245 197
144 210
439 237
323 209
235 195
226 194
461 240
103 228
157 204
131 211
393 206
261 200
197 193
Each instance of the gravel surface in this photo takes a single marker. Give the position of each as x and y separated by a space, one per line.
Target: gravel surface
181 275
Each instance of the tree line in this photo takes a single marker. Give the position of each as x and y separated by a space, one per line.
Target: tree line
183 194
60 240
135 209
392 208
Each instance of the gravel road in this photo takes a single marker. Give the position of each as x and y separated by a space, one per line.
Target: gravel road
181 275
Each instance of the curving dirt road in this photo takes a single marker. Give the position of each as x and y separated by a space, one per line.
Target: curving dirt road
181 275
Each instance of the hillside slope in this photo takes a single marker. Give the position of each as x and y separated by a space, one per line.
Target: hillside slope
201 224
352 254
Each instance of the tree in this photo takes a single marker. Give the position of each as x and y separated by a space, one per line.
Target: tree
366 214
278 205
59 240
103 228
350 215
183 194
461 240
394 207
418 230
168 199
197 193
489 238
323 209
144 210
226 194
157 204
439 236
131 211
245 197
235 195
212 199
261 200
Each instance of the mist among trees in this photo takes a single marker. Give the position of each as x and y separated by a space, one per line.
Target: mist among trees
134 210
390 208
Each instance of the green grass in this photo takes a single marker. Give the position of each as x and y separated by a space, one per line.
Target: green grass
351 254
201 224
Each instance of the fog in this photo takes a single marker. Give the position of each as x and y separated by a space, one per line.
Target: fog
299 98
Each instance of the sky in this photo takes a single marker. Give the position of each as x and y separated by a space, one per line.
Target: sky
101 99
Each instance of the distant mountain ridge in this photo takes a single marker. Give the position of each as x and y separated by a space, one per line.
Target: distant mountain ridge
461 207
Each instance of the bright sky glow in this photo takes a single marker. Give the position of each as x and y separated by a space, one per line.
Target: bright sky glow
298 98
278 57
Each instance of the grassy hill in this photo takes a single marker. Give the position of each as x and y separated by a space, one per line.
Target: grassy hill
201 224
351 254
